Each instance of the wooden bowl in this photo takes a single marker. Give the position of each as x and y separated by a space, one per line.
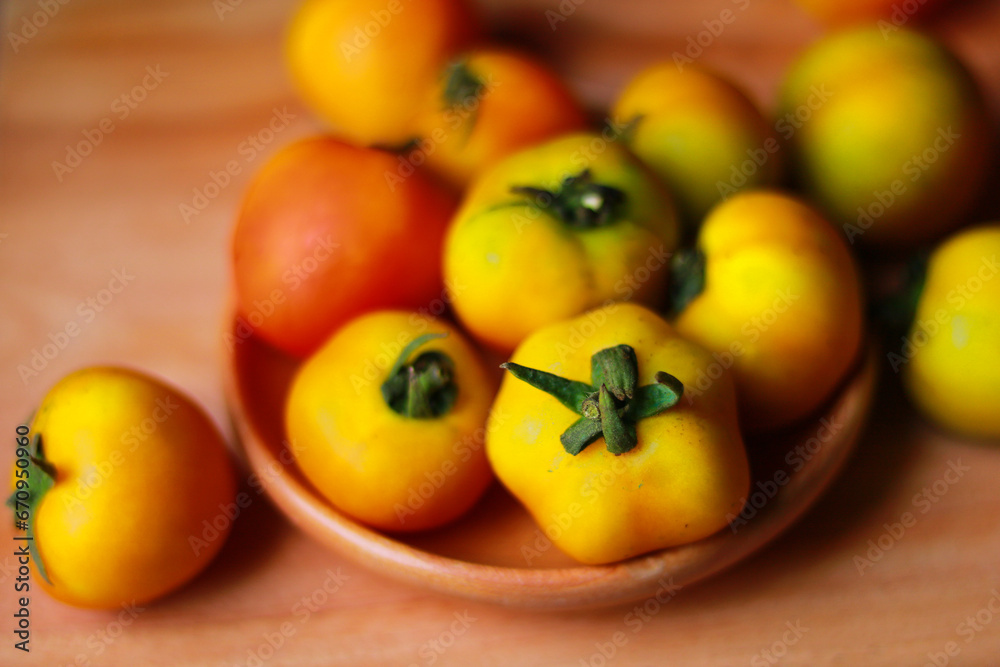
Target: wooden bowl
496 553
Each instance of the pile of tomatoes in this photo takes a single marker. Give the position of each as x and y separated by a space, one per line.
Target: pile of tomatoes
659 284
481 282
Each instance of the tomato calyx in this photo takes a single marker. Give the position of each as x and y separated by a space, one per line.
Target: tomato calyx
611 405
579 202
463 91
687 278
461 85
41 476
897 308
424 388
624 132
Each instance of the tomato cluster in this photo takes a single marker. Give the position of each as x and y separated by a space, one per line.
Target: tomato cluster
657 287
467 173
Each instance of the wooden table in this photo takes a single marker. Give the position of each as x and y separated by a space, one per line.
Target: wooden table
201 87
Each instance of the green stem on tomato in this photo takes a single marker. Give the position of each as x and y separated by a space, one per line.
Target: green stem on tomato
614 372
579 202
460 85
896 310
687 278
568 392
463 92
40 477
617 368
424 388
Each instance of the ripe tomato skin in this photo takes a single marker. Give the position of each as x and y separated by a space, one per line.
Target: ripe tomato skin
513 266
387 470
898 148
364 66
951 362
327 232
697 130
781 304
139 469
685 477
469 132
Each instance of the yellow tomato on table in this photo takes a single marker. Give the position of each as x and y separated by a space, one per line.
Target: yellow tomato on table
124 474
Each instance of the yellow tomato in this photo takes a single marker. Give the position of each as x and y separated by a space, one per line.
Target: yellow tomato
888 133
777 297
139 472
680 476
387 421
554 230
951 358
365 66
489 103
700 133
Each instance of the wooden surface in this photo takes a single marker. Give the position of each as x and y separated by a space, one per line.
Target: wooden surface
119 210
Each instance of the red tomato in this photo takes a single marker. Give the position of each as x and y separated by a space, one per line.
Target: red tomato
326 234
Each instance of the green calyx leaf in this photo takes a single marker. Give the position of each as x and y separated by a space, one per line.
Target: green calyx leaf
41 476
570 393
424 388
463 92
579 203
653 399
896 310
611 405
687 278
461 86
623 132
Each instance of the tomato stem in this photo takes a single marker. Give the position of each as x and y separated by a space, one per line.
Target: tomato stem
619 434
579 203
617 368
463 91
896 310
687 278
424 388
614 373
624 132
461 85
40 478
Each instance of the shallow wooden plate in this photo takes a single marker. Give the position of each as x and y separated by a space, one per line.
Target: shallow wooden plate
497 553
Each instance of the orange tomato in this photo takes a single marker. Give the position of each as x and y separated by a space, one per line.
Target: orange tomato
400 456
326 234
489 103
365 66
